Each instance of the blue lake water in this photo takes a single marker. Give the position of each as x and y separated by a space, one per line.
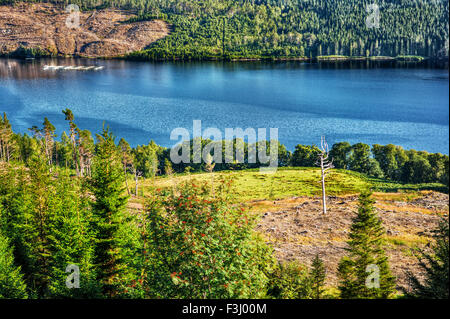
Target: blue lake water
406 106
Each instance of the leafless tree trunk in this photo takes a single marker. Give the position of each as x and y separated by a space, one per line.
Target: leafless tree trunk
325 165
126 179
137 174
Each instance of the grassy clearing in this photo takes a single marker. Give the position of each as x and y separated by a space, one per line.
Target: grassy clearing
288 182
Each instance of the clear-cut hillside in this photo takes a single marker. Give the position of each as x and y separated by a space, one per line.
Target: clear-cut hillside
101 33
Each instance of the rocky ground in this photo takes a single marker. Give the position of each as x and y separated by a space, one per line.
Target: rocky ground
101 33
298 230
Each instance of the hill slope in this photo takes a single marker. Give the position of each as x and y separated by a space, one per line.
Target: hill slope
292 222
101 33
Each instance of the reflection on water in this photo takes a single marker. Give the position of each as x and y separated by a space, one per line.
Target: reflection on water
371 102
34 69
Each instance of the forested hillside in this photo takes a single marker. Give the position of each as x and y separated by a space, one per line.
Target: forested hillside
289 28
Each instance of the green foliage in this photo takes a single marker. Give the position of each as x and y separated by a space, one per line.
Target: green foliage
435 267
340 153
148 159
7 141
71 240
317 277
108 207
12 284
192 241
203 247
391 159
361 161
290 281
365 251
76 150
417 169
305 156
268 29
46 219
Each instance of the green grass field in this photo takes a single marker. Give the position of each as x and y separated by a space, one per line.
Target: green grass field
287 182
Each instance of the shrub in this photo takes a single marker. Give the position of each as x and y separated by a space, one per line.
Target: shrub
435 267
290 281
203 247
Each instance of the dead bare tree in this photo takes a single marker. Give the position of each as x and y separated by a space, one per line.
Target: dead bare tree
136 174
325 165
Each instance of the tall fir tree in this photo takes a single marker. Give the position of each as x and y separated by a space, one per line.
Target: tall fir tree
366 257
38 225
73 138
6 139
71 240
435 266
49 135
108 206
317 277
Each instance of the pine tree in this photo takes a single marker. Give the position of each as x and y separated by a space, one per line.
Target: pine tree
49 135
71 239
38 225
435 267
6 139
106 185
317 277
12 284
366 257
73 132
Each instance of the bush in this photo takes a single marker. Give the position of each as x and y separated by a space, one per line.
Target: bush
435 267
203 247
12 284
290 281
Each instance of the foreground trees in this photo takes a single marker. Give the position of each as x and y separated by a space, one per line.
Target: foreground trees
108 207
435 266
364 272
46 219
191 240
11 279
204 247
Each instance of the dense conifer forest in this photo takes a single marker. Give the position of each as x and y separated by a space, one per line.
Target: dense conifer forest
211 29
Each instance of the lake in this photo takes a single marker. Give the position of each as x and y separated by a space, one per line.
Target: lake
357 102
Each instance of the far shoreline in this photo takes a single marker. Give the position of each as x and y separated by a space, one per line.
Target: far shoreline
330 58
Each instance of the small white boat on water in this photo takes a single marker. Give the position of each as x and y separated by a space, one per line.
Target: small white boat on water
72 67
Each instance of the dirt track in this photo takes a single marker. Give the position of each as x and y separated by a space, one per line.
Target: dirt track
297 229
100 33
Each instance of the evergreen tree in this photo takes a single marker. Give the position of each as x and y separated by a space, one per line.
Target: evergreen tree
49 135
12 284
106 185
73 133
317 277
37 226
366 257
6 139
435 267
71 239
289 280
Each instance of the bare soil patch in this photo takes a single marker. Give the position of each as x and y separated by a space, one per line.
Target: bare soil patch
101 33
298 230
